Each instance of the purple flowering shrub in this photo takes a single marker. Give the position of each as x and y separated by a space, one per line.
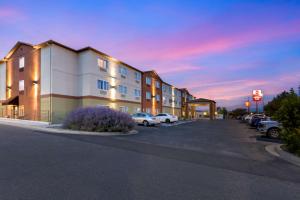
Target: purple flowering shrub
99 119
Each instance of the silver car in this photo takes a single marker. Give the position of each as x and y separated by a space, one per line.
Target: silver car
145 118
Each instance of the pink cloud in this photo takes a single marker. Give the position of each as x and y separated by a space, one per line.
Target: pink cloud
176 69
193 42
9 14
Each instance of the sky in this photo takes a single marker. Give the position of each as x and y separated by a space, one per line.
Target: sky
220 50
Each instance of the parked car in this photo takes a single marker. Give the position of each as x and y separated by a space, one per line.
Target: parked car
166 117
270 128
256 119
254 116
145 118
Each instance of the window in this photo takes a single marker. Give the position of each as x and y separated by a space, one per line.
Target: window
103 64
138 110
164 100
124 109
148 80
148 95
137 76
123 71
21 85
157 84
148 110
21 63
157 97
122 89
103 85
137 93
170 90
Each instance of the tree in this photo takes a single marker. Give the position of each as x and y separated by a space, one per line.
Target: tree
289 115
238 112
274 105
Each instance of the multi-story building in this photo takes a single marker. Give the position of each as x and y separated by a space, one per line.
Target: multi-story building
171 101
151 92
47 81
187 112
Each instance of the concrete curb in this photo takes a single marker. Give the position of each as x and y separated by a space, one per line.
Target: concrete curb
50 129
276 150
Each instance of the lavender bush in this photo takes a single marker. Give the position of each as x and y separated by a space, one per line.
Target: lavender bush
99 119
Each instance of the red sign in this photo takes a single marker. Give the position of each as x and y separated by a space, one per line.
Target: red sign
257 95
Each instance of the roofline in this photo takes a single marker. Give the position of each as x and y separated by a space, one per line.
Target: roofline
15 47
49 42
104 54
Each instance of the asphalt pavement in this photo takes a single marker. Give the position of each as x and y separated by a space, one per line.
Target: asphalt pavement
198 160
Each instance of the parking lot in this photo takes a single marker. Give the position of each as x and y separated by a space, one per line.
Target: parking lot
188 161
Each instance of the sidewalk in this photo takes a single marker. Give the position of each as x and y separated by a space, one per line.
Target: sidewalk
56 128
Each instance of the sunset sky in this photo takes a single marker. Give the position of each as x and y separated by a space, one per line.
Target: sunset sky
217 49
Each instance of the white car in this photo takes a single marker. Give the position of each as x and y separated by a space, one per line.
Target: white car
270 128
166 117
145 118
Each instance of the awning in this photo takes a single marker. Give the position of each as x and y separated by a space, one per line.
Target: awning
12 101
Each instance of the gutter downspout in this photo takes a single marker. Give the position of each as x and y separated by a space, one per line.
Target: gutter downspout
51 106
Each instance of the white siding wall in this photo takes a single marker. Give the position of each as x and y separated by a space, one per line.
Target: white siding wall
3 81
64 65
45 70
90 74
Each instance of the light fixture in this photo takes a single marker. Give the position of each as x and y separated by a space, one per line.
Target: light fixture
35 82
8 87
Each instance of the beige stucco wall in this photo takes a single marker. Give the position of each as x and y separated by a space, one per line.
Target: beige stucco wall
173 111
132 107
61 106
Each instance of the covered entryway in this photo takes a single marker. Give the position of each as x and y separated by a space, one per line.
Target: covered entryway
10 108
192 104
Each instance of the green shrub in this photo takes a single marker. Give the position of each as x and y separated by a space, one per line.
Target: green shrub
292 140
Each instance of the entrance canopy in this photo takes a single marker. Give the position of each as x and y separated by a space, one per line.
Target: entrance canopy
12 101
204 102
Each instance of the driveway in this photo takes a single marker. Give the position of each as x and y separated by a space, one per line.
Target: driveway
200 160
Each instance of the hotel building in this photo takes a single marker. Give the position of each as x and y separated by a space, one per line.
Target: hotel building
171 99
151 93
45 82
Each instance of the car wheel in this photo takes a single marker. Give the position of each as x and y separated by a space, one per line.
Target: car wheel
145 123
273 133
168 121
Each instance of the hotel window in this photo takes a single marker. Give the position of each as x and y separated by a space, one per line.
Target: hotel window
157 84
137 93
148 110
164 100
148 80
21 85
148 95
137 76
21 63
103 85
124 109
103 64
122 89
123 71
157 97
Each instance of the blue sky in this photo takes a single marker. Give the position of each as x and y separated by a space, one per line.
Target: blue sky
217 49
